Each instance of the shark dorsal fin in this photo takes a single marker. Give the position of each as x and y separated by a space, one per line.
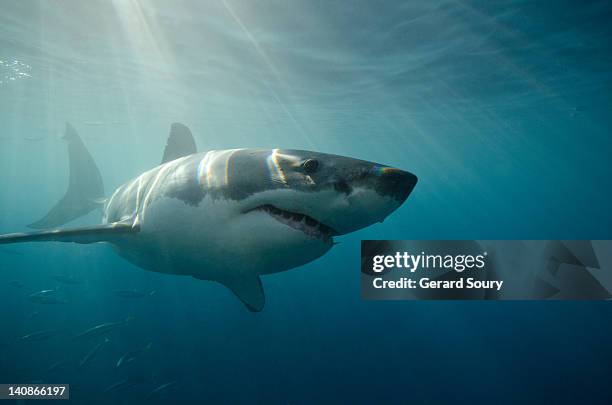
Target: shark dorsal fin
180 143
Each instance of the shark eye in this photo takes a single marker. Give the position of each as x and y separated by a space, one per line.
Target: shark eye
310 165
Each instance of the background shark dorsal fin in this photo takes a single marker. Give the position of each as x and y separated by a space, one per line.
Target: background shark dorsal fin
248 288
85 187
180 143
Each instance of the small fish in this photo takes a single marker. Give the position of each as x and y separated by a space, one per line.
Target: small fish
123 384
576 111
92 353
133 293
131 356
40 335
101 329
16 283
56 366
46 297
45 292
66 279
34 139
33 315
161 388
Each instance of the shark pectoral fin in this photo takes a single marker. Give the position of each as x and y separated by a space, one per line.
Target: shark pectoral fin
180 143
248 288
89 234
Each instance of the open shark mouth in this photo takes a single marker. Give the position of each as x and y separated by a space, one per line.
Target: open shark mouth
300 222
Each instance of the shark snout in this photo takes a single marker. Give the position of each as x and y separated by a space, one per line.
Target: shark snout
395 183
374 195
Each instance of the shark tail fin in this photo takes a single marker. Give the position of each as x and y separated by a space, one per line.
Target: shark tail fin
85 187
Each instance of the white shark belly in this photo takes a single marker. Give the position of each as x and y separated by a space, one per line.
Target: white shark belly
206 242
176 238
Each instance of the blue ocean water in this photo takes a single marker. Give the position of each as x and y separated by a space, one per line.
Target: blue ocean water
502 109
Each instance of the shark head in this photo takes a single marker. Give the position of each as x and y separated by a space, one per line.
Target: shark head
296 201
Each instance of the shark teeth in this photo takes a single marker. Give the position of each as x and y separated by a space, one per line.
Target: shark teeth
300 222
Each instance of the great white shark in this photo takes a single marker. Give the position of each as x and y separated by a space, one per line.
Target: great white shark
228 216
